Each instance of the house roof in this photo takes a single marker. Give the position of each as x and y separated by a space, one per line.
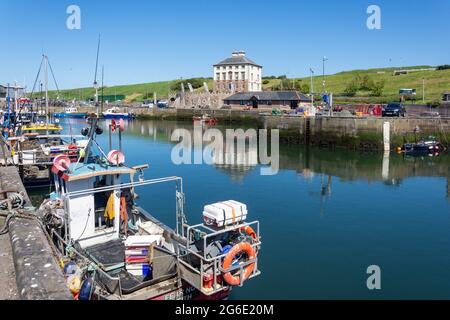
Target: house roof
237 60
85 171
269 95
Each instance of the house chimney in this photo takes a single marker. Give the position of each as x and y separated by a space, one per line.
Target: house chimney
238 54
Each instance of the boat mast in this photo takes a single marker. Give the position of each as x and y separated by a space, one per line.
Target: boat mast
46 91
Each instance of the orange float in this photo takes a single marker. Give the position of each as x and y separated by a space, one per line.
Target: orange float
235 280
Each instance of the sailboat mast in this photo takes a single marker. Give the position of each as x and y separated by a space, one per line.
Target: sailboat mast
46 91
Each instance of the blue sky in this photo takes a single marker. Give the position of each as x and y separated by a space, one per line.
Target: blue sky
144 40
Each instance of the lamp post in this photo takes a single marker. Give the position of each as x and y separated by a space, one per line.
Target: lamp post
323 74
312 86
423 90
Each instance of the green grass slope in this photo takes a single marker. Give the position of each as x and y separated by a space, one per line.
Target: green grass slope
436 82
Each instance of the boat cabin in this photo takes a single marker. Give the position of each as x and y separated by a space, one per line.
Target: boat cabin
94 218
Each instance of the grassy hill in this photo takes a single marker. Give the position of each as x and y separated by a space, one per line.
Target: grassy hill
436 82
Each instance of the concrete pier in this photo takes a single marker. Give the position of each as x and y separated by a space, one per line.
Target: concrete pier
31 268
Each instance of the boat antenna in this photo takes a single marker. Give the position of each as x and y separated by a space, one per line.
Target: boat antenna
103 97
96 70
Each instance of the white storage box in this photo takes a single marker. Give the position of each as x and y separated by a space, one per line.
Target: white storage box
224 213
143 241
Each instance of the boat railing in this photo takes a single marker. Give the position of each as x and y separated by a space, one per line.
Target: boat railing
214 265
112 284
123 186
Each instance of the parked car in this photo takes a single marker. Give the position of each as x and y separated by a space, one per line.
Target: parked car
162 104
394 109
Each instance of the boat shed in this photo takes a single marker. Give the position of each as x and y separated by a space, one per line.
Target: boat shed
446 97
268 100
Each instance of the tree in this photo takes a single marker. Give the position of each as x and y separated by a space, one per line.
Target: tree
377 88
444 67
351 89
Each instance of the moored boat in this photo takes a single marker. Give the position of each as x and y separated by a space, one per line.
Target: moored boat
115 113
204 120
70 112
430 145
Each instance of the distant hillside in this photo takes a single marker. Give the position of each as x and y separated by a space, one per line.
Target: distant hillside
436 82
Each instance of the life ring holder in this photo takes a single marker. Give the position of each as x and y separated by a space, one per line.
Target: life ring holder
235 280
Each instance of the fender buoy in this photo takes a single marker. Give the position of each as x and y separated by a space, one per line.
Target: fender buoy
113 125
228 262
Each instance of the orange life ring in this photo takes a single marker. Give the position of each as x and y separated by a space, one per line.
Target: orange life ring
249 231
228 262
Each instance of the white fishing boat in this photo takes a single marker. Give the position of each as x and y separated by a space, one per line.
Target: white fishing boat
116 113
114 249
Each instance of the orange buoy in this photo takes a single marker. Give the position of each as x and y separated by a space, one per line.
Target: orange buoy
235 280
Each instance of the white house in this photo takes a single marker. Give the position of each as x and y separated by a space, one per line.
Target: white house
237 74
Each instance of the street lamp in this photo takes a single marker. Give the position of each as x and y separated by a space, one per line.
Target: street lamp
423 90
323 65
312 86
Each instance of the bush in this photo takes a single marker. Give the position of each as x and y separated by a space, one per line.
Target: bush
444 67
266 82
351 89
377 88
434 104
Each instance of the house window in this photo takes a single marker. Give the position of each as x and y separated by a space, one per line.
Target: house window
224 76
243 75
230 75
236 76
217 76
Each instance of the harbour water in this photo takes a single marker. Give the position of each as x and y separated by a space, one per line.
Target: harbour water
325 217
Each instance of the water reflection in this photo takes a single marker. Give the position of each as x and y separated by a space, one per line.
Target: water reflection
347 165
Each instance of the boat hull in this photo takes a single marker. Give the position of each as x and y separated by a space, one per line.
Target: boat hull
116 116
71 115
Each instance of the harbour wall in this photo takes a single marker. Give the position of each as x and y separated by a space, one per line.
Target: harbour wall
350 132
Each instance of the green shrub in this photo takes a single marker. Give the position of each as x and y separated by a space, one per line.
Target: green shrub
444 67
434 104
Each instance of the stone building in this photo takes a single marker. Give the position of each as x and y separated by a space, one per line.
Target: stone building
285 100
237 74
